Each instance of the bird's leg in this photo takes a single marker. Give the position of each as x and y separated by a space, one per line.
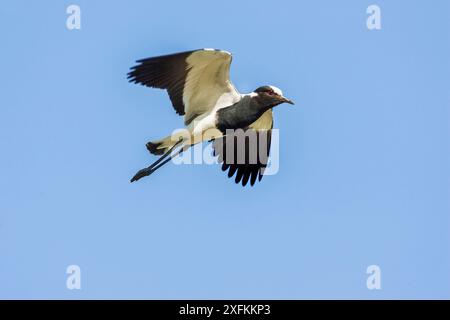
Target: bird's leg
157 164
171 157
165 154
153 169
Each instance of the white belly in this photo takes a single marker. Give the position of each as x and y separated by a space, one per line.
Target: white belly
204 129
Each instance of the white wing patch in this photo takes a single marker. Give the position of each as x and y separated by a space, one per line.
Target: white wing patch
208 85
226 99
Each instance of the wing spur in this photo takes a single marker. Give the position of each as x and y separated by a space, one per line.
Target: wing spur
247 171
194 80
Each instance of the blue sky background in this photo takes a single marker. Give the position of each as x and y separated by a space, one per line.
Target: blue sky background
364 171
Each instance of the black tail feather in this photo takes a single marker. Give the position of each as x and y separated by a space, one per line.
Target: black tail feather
153 148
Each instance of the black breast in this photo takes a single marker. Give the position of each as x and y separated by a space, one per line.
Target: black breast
240 115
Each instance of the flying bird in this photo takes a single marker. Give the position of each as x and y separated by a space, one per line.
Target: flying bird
199 87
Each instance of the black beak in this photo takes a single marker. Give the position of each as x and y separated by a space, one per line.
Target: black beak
287 100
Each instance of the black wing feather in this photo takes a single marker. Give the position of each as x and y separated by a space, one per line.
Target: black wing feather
246 171
164 72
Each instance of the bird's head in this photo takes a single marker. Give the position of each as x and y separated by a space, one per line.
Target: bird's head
271 96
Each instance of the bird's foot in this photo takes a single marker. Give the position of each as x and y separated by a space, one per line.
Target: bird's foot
142 173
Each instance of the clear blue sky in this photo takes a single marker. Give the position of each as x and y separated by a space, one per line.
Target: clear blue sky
364 171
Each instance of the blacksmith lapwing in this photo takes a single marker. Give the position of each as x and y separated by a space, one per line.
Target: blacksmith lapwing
199 88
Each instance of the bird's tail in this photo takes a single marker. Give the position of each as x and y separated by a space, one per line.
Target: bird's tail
161 146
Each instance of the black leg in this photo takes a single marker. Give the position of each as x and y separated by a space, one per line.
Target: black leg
157 164
168 152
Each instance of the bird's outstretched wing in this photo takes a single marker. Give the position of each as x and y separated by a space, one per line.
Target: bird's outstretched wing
247 170
197 81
